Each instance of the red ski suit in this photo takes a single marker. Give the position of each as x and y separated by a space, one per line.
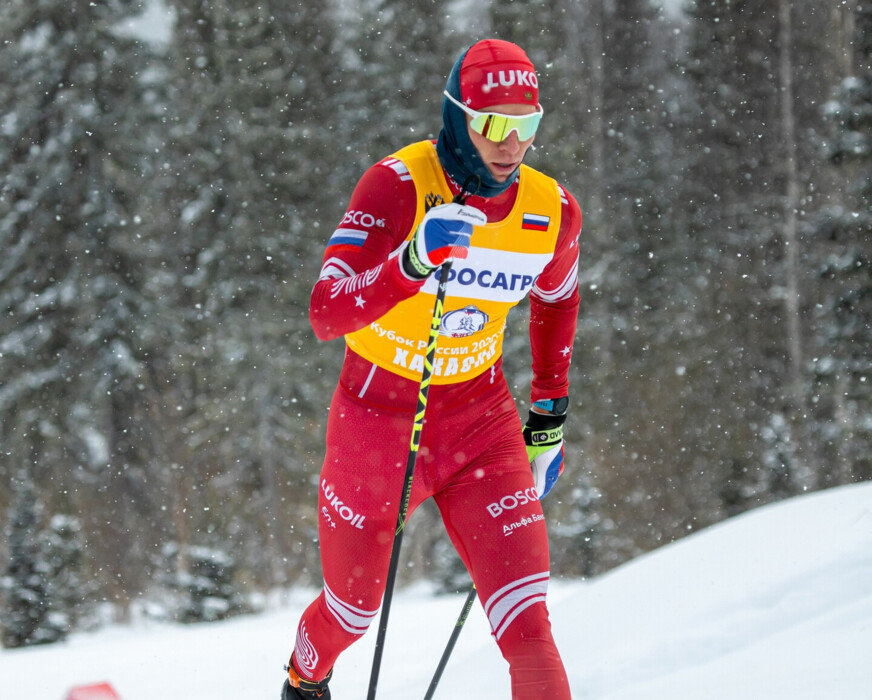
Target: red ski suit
472 459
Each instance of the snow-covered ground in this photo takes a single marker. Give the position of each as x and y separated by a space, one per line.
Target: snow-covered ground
772 605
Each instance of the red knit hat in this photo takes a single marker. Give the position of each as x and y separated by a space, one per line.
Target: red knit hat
496 72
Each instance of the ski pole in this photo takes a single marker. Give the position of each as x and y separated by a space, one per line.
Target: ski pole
467 606
415 442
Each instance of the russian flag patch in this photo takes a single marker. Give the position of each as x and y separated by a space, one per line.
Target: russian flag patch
535 222
347 236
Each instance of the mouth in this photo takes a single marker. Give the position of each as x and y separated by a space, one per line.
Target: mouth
504 169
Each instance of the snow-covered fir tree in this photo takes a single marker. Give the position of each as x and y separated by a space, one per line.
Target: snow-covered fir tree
29 616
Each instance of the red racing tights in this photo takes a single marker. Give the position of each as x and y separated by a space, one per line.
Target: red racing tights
473 462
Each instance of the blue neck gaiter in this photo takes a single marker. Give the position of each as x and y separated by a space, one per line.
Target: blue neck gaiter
457 154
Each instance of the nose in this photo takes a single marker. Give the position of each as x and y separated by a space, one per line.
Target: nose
511 143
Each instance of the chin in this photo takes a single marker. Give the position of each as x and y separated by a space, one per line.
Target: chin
500 176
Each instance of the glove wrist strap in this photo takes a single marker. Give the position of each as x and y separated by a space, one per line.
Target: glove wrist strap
544 421
546 436
413 265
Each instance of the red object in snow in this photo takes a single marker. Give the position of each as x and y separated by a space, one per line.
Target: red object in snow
98 691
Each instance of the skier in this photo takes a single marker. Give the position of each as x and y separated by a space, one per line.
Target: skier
515 235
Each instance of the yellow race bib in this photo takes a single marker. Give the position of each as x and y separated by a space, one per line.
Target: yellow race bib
505 258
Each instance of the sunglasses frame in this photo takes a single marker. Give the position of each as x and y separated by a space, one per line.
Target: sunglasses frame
511 117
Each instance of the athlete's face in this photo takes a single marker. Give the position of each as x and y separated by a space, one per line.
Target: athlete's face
503 158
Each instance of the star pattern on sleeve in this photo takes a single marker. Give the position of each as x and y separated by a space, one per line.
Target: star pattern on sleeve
359 301
566 350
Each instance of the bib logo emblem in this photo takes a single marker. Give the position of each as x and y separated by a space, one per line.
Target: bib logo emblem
432 200
463 322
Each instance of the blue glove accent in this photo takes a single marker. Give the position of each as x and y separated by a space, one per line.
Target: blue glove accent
547 468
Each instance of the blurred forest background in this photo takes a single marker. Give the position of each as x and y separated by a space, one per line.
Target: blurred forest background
172 169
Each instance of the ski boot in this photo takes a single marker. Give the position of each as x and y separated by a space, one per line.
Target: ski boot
296 688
